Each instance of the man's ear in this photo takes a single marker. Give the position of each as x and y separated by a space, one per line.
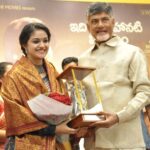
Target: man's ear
0 83
113 21
88 27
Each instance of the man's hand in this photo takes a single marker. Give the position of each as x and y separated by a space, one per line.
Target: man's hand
110 120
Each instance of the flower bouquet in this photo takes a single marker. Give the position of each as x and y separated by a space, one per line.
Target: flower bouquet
2 117
53 108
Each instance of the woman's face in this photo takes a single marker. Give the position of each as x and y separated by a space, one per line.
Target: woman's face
37 46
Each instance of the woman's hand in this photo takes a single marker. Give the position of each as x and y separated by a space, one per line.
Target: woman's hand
2 135
64 129
85 132
110 120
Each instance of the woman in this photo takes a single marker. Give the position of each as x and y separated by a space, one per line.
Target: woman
30 76
4 68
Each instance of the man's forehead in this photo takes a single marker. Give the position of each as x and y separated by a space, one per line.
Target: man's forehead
99 15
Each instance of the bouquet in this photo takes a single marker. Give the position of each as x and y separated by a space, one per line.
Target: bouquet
60 97
53 108
2 117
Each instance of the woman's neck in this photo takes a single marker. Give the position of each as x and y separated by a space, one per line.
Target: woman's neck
36 61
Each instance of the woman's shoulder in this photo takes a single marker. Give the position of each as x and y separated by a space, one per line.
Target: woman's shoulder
22 65
50 64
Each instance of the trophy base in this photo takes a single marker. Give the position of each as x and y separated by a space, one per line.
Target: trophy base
84 120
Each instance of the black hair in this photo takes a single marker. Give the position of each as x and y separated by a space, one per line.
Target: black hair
68 60
96 8
3 66
27 32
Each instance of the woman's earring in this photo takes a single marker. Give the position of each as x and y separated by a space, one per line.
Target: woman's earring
26 51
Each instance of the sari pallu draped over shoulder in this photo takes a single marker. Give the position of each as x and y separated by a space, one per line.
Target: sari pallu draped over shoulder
21 84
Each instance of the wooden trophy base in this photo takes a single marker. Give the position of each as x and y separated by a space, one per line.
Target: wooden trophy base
84 120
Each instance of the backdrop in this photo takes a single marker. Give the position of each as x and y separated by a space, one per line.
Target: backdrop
67 23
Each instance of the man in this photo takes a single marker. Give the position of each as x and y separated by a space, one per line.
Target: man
122 78
69 61
145 127
73 62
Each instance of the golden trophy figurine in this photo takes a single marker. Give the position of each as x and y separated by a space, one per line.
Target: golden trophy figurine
85 116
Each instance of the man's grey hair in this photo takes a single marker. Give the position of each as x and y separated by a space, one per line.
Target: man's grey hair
96 8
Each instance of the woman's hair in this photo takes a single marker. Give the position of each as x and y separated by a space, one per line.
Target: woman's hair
27 32
99 7
3 66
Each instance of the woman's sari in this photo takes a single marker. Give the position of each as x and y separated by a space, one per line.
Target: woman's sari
21 84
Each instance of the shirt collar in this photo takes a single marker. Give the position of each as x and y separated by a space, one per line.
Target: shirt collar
113 42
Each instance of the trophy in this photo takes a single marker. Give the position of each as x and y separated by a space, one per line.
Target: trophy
85 117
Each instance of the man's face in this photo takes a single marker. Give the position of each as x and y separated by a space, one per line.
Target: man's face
72 64
101 26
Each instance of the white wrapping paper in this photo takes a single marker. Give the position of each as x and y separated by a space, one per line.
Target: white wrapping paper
49 110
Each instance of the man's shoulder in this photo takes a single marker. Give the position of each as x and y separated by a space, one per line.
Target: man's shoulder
117 41
129 47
